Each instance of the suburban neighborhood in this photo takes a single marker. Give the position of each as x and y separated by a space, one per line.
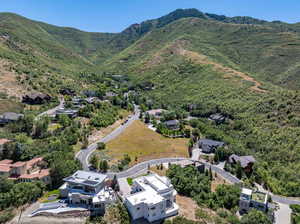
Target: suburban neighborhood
188 118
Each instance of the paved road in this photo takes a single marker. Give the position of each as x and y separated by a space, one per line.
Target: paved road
84 154
143 166
52 110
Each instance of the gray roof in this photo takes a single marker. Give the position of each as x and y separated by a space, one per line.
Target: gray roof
171 122
211 142
86 178
244 160
11 116
217 117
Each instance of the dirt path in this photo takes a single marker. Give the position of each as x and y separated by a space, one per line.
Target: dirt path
202 59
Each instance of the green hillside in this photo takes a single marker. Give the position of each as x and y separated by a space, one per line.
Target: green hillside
243 67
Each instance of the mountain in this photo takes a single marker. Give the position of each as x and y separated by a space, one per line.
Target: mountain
246 68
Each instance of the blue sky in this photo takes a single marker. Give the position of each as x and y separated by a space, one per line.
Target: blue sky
116 15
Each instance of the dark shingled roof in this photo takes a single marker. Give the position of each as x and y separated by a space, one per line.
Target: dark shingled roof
171 122
244 160
211 142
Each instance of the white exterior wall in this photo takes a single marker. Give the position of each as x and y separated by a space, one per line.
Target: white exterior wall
150 199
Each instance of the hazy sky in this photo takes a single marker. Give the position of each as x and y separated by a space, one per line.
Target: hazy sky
116 15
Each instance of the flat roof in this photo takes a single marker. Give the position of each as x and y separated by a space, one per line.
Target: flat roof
156 182
246 191
151 186
86 178
147 197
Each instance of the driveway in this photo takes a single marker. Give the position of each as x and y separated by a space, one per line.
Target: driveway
125 188
52 110
283 215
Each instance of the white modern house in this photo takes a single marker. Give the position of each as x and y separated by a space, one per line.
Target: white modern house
250 199
152 198
89 190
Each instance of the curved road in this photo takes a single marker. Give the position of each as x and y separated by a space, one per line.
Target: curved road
84 154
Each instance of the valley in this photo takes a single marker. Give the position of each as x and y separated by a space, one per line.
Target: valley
193 66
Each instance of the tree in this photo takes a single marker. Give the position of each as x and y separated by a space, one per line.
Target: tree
227 196
95 161
64 120
103 166
101 145
61 167
254 217
41 128
239 170
210 174
147 118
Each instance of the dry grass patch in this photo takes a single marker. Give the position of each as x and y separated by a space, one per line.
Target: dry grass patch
10 106
141 142
187 207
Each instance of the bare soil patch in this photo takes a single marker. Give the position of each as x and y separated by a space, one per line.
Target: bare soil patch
8 81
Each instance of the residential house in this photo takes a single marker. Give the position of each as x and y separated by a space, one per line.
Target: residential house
36 98
152 198
8 117
89 93
69 112
89 190
3 141
250 199
67 91
109 95
91 100
172 124
217 118
25 171
157 113
246 162
209 146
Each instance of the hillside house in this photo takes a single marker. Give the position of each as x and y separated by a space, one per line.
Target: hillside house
253 200
67 91
172 124
25 171
9 117
36 98
246 162
217 118
109 95
152 198
69 112
89 190
209 146
157 113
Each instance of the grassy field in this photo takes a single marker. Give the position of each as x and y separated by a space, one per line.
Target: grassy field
143 143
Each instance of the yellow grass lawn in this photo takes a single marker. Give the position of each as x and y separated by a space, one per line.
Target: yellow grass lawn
141 142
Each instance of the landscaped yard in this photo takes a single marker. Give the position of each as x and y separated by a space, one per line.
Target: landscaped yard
140 142
50 196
